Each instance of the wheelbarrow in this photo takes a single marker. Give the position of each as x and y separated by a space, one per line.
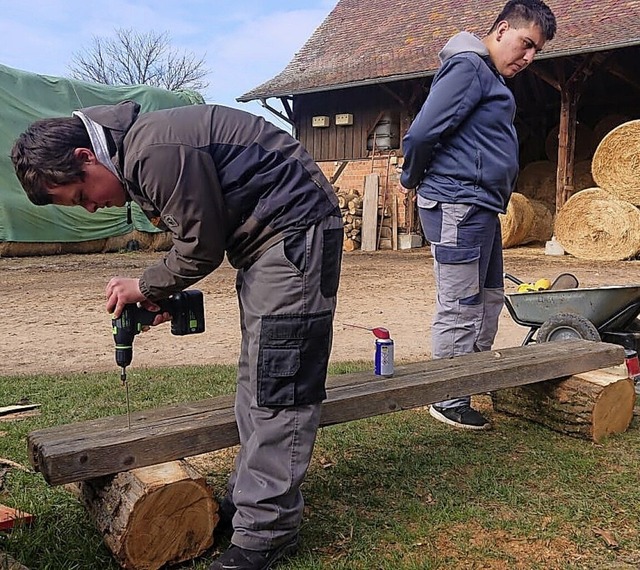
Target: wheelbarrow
608 313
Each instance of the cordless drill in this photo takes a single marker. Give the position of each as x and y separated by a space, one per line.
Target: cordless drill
187 317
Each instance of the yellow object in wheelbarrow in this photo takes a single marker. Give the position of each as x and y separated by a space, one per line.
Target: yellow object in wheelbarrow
539 285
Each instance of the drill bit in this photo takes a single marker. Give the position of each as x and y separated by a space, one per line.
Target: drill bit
123 379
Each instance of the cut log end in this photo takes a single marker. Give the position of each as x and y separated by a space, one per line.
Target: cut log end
153 516
590 405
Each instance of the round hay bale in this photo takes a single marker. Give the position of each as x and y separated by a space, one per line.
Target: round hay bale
542 227
517 221
594 225
605 125
616 162
584 143
537 181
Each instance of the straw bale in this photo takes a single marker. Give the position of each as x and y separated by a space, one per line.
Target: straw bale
537 180
29 249
542 227
593 224
584 143
616 162
151 241
605 125
517 221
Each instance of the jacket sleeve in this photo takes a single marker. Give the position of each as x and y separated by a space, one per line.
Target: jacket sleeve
182 182
454 93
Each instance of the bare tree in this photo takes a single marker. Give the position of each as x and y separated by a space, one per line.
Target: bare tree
132 58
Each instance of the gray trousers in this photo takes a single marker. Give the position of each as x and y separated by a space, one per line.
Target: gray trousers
466 243
287 301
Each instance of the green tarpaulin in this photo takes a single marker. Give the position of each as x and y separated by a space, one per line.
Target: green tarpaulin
26 97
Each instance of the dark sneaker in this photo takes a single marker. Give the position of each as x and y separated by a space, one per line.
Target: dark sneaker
463 417
236 558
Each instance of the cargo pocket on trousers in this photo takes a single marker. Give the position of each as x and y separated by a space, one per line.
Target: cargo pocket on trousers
331 262
293 359
458 271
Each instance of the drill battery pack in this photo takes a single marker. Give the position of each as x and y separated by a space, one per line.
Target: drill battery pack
187 312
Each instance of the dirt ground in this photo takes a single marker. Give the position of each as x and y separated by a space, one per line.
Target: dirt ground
52 316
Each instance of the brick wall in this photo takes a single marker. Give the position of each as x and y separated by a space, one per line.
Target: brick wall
387 167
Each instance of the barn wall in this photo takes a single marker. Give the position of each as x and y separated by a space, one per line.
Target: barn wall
368 105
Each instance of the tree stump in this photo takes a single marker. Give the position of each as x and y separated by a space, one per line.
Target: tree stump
591 405
152 516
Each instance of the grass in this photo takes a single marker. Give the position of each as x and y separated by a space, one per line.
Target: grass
394 492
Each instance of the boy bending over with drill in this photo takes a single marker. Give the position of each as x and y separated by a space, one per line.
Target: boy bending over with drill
221 180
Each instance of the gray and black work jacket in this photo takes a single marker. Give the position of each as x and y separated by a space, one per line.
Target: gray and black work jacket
462 147
219 179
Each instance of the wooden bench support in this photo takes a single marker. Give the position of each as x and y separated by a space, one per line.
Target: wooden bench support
591 405
86 450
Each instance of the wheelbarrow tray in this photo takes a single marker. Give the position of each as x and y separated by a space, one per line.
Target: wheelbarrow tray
599 305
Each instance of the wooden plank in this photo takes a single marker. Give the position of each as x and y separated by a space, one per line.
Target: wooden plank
10 517
370 213
86 450
8 410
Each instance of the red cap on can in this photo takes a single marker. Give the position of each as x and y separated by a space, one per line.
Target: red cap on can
380 332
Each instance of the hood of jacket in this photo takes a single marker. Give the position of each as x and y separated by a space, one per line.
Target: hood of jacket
463 42
116 118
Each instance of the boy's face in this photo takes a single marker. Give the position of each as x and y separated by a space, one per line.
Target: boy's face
515 48
99 189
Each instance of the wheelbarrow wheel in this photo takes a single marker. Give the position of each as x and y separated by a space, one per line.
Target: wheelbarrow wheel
566 326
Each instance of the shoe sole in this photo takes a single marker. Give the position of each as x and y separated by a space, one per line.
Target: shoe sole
445 420
287 549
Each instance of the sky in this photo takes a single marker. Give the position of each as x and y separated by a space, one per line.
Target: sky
243 42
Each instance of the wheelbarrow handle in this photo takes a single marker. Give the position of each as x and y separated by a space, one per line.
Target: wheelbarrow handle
512 278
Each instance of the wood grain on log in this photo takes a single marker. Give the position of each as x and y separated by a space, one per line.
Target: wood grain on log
153 516
590 405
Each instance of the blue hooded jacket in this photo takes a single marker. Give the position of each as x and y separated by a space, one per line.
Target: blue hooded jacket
462 146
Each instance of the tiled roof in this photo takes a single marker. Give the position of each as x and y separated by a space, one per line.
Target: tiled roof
365 41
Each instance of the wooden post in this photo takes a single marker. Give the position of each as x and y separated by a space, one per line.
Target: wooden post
566 143
370 213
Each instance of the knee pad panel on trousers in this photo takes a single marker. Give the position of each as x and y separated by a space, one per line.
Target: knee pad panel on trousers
458 273
293 359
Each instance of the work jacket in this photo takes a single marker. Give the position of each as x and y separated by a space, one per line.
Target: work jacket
462 147
219 179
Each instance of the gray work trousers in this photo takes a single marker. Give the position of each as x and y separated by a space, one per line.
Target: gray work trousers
287 302
466 243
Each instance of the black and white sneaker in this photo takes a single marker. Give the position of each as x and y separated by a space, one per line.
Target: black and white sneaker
236 558
462 416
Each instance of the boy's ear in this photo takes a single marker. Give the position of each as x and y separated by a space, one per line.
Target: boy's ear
85 155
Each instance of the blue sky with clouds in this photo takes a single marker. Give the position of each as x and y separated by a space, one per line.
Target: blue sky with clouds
244 42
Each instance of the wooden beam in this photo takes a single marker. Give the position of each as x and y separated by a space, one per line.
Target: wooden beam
94 448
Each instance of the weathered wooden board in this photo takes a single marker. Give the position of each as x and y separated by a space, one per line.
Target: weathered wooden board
85 450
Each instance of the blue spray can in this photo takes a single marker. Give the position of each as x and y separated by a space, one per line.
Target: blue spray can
383 361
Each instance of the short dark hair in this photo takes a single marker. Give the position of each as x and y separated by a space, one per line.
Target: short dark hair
43 156
520 13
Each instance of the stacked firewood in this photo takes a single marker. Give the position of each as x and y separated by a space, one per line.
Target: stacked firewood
350 202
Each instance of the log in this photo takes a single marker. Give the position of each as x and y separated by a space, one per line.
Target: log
350 244
90 449
153 516
591 405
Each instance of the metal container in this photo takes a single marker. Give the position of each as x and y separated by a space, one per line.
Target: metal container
383 362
